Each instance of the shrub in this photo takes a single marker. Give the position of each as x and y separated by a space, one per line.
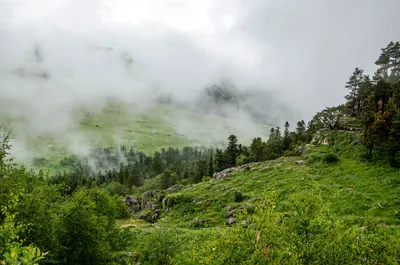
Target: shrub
12 248
116 188
158 247
238 196
330 158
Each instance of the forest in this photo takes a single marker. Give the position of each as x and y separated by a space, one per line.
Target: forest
73 216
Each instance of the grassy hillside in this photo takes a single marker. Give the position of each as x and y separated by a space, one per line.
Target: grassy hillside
148 129
349 196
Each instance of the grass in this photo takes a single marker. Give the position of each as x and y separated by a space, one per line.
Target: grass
147 129
362 194
353 189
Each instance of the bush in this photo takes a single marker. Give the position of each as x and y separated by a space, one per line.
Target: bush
308 234
84 231
158 246
116 188
206 178
238 196
12 248
330 158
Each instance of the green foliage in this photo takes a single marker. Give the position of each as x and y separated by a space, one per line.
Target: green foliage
329 118
87 227
330 158
376 104
158 247
258 150
238 196
307 233
116 188
13 249
232 151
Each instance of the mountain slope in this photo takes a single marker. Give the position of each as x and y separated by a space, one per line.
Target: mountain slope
349 197
147 129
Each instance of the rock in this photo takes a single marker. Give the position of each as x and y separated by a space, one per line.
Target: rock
249 206
300 162
232 213
224 173
164 203
196 200
299 150
174 188
231 221
152 203
144 215
132 203
198 223
149 199
254 199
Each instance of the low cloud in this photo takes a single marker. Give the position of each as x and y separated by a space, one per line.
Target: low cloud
60 58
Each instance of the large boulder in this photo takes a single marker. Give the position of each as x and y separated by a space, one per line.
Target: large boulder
226 172
132 203
151 199
174 188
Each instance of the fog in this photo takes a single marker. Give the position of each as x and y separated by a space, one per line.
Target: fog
58 57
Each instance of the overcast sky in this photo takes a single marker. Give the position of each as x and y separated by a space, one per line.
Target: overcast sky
303 50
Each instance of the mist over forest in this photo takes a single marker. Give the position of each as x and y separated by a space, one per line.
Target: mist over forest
160 132
61 59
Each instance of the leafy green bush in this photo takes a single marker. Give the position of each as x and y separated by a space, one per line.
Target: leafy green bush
116 188
238 196
13 249
330 158
158 247
306 234
84 230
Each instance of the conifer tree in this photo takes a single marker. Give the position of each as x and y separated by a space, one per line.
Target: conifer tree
287 139
232 151
210 170
353 86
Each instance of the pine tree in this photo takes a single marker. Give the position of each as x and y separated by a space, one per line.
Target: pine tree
353 86
301 136
258 150
200 171
166 179
232 151
158 166
219 160
287 140
210 170
274 144
389 62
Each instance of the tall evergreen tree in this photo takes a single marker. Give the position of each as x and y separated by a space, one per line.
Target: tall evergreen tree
210 170
232 151
301 136
389 62
258 150
353 86
287 139
220 163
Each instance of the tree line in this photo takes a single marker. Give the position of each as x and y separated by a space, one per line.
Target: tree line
171 166
375 102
